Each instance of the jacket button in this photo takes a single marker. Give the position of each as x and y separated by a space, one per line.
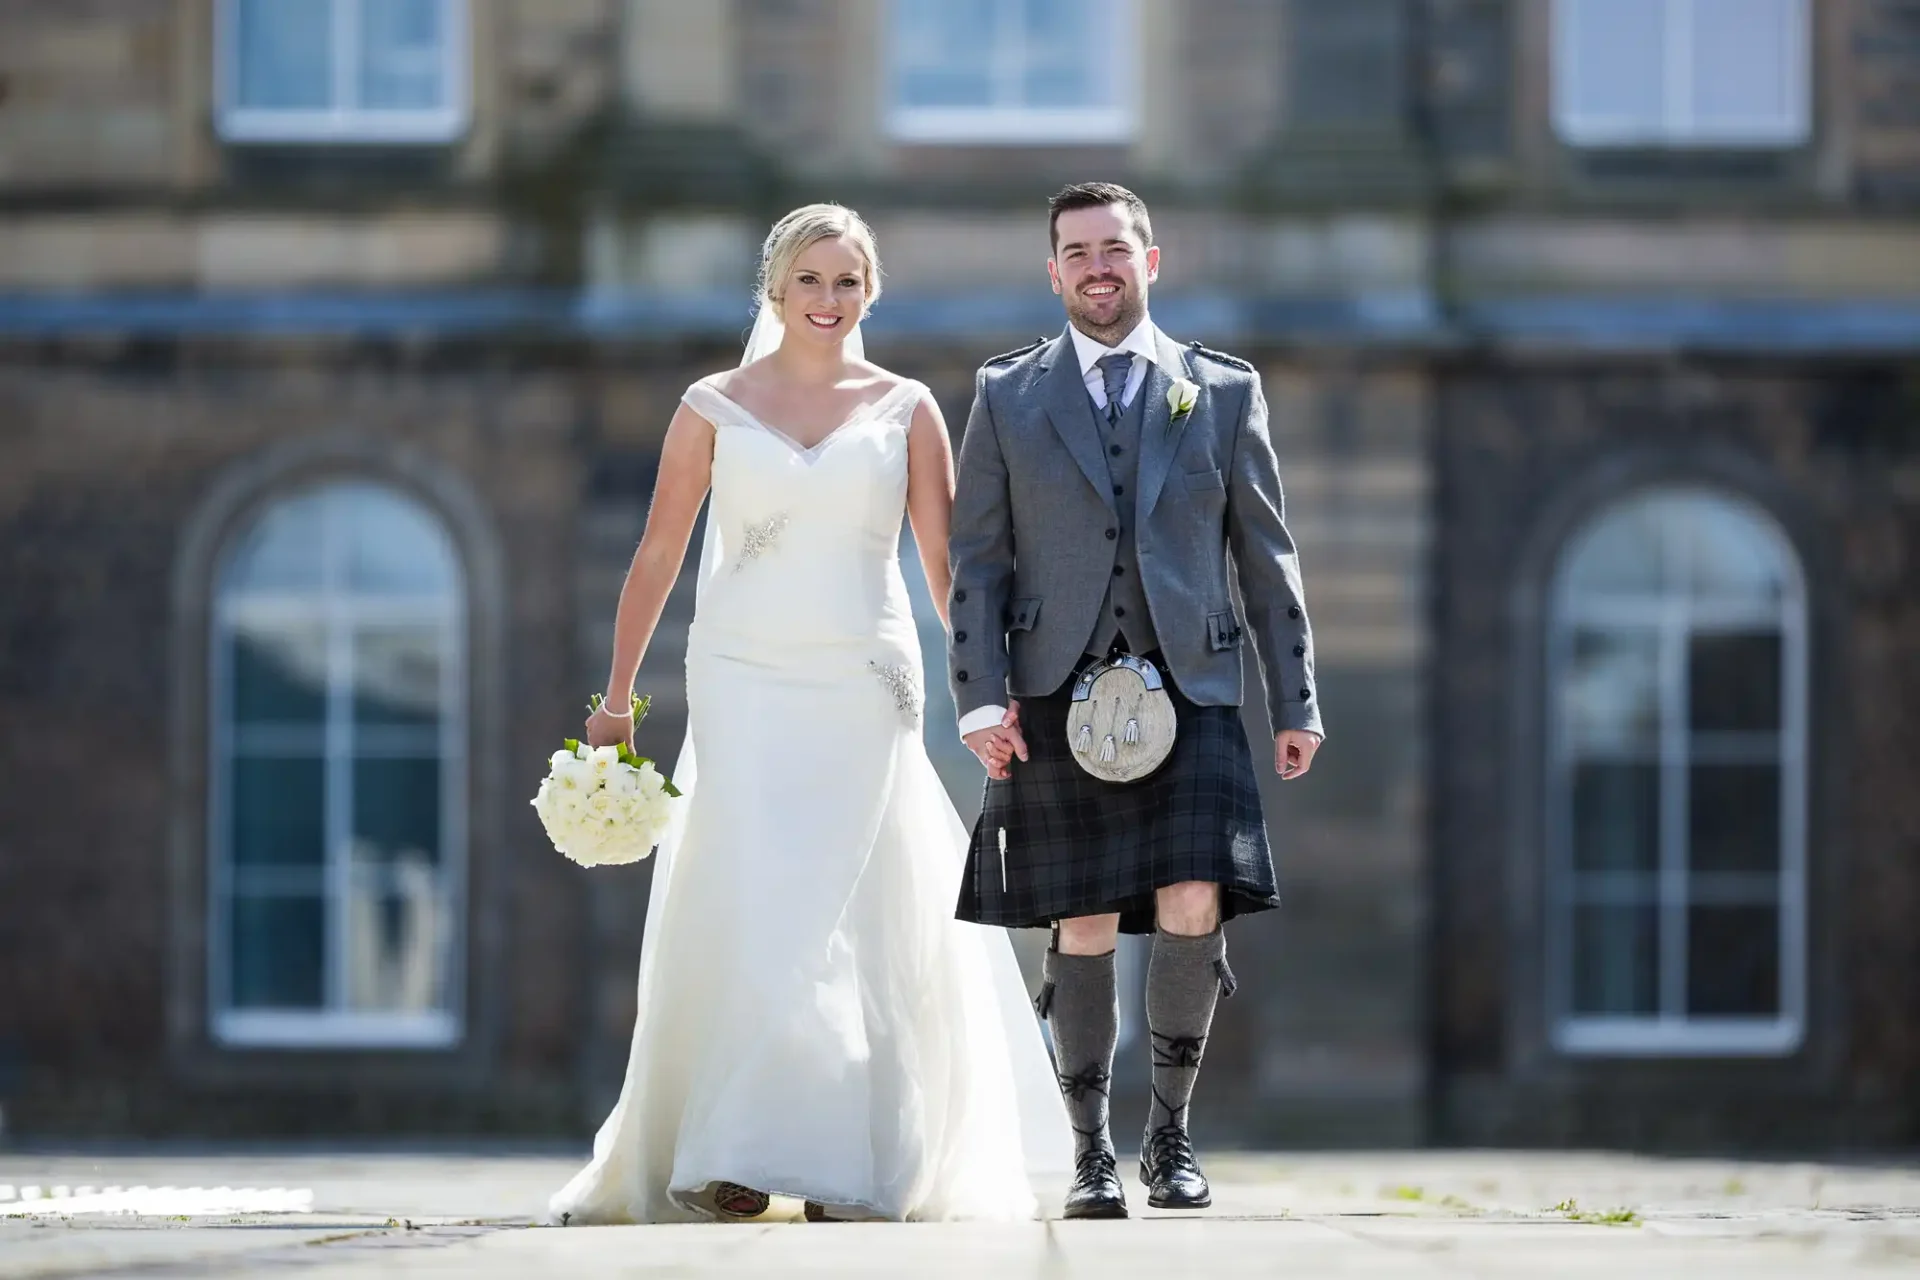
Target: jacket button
1304 692
1119 572
1112 534
1119 490
960 597
1116 451
1119 612
1293 611
959 637
1299 651
960 676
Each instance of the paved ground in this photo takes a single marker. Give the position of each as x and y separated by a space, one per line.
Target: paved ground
1453 1215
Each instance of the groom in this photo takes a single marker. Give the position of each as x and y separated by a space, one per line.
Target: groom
1112 485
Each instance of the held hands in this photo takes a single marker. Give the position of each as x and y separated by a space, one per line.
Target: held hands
1293 752
997 746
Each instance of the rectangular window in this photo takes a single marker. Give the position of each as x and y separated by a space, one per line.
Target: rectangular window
1012 71
342 71
1681 73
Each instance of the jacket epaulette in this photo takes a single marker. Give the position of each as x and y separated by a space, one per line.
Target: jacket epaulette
1221 356
1016 353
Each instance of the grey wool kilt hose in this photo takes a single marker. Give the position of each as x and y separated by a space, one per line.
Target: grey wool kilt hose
1054 843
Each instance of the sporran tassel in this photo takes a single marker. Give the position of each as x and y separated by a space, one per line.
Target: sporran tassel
1107 750
1084 743
1133 732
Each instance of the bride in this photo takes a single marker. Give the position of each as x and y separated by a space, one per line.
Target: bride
813 1022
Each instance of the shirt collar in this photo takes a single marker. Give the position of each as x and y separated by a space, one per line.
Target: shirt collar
1139 342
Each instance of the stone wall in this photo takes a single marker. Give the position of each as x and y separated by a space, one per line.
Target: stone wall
1522 447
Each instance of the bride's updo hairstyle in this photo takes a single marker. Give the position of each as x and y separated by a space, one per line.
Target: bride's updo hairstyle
808 225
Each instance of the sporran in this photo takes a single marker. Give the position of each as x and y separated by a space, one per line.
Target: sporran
1121 725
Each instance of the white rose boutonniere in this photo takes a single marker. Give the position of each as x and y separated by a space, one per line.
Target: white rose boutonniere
1181 396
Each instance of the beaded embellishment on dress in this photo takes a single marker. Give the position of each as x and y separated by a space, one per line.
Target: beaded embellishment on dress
900 682
760 538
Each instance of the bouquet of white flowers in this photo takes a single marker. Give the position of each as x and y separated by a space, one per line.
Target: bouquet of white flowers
603 806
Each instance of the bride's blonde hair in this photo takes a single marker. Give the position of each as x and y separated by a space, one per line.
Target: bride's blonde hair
807 225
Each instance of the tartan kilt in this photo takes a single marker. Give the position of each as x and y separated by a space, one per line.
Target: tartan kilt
1077 846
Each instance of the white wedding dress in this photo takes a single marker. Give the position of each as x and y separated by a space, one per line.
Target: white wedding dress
812 1020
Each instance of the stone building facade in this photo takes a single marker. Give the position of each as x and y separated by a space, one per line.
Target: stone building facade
334 361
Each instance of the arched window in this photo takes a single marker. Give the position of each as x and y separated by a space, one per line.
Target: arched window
337 780
1676 878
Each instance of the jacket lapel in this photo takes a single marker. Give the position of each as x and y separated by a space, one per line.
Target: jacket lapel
1070 409
1159 433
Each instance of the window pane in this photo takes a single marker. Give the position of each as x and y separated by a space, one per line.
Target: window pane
1729 554
278 945
1747 67
1734 817
1626 553
402 45
283 552
279 674
278 804
393 546
1615 960
284 50
1616 817
396 811
1733 960
945 51
1071 50
398 940
1611 60
1734 682
396 676
1610 695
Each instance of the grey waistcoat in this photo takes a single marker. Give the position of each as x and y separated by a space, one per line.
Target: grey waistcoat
1124 613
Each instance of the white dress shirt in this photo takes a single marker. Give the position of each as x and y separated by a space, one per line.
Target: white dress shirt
1089 351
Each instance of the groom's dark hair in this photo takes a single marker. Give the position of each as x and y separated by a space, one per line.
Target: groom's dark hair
1096 195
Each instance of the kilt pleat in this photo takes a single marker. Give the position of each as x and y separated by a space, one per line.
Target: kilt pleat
1053 842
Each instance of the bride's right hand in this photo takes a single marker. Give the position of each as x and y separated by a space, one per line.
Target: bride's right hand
605 729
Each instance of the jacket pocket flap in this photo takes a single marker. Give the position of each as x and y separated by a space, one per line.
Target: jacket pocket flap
1023 613
1223 630
1199 481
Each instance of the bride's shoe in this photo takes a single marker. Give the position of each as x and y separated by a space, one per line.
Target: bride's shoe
732 1200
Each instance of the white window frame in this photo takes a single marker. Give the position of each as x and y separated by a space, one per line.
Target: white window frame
1679 129
1673 1032
1012 123
342 123
339 612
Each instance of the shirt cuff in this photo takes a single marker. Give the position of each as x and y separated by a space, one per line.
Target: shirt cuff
981 718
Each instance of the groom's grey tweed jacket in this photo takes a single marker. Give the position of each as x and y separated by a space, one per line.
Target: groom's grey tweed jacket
1036 533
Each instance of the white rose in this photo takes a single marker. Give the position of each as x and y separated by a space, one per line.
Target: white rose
603 761
624 781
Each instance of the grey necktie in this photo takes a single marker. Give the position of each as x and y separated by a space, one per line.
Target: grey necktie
1113 374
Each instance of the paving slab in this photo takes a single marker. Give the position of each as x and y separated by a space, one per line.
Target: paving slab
473 1213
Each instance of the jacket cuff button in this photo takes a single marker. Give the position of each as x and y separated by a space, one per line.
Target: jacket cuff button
960 676
1293 611
1299 651
1306 694
960 597
959 637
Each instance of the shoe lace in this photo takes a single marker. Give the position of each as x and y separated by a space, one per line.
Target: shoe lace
1170 1144
1094 1162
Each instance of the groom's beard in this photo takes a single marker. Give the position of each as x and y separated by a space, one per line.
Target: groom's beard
1125 319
